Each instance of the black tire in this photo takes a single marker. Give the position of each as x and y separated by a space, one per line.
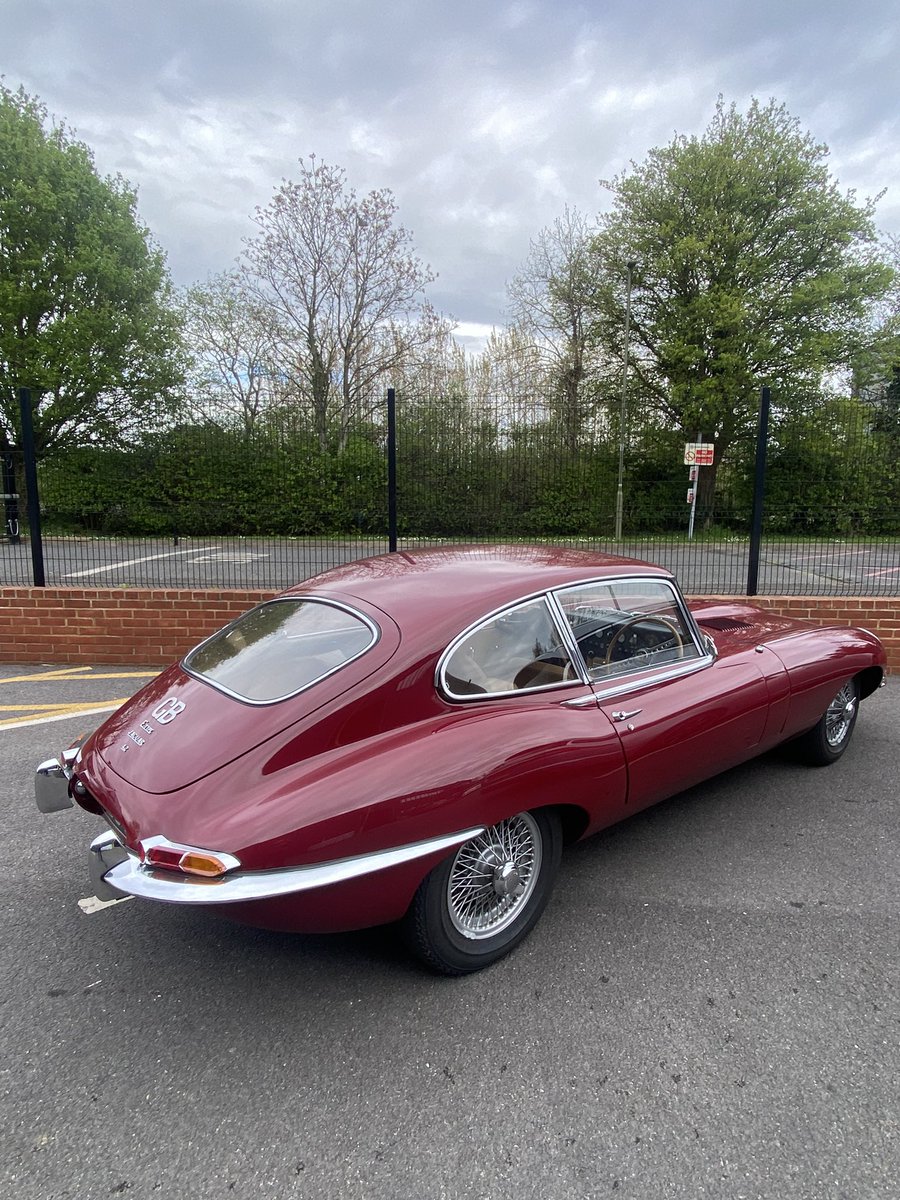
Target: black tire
479 903
830 736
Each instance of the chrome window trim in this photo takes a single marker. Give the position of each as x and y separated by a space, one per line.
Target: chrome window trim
554 604
569 638
440 681
624 683
354 612
637 681
117 871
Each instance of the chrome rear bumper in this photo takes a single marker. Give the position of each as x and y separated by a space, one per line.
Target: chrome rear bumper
51 783
117 871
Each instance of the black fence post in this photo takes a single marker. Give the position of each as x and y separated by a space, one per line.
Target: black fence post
31 488
392 468
759 492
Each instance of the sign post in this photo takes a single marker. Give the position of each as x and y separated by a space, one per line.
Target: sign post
696 454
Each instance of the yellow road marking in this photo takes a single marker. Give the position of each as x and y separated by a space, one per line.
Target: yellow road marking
76 673
55 708
13 723
38 714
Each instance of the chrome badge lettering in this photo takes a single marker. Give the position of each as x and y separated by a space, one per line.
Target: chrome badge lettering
163 714
168 710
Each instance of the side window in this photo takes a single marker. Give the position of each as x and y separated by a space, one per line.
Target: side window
519 649
627 626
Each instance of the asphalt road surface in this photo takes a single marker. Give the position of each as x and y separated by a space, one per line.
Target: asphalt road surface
708 1009
797 568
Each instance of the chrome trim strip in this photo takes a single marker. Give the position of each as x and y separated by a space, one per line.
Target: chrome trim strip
567 635
581 702
127 876
636 682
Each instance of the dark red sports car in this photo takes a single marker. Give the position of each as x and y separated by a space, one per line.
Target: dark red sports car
414 737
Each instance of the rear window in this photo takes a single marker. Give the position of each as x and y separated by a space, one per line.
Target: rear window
282 647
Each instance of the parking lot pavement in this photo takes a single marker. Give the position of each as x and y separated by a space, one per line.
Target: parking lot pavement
816 567
45 695
708 1010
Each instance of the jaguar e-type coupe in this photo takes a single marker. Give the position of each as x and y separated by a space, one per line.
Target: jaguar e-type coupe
414 737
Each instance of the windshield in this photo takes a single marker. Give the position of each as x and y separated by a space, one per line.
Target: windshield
280 648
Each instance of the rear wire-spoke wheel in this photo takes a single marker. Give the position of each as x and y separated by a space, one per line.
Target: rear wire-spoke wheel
829 738
479 903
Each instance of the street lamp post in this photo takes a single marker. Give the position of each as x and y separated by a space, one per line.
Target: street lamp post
629 268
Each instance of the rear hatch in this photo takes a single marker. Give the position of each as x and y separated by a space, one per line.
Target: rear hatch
272 668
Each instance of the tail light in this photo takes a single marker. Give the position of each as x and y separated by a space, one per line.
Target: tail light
160 853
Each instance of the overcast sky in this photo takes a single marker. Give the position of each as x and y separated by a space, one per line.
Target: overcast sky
484 119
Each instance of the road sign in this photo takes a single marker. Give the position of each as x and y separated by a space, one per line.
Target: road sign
699 454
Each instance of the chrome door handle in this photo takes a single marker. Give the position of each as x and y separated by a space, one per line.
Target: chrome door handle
622 715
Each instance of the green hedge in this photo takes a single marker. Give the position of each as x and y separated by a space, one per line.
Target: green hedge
827 475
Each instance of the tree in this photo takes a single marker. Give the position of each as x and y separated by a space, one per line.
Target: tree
232 340
752 268
508 382
345 282
876 365
551 299
85 318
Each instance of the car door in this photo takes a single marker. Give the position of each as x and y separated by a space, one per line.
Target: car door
679 730
682 713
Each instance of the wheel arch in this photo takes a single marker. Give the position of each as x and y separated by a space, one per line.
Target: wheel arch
869 680
573 819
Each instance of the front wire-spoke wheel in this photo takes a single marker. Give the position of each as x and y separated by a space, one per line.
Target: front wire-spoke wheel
830 736
493 877
840 716
479 903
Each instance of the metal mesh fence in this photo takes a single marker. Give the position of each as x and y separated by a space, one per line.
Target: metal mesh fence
200 506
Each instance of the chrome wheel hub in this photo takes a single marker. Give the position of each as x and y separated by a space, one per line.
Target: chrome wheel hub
507 881
493 876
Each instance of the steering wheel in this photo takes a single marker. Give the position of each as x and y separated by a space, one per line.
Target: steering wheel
664 621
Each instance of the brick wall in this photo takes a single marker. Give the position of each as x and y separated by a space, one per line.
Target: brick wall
151 627
879 614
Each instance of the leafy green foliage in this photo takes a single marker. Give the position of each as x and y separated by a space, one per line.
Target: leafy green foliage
85 321
831 470
205 481
751 268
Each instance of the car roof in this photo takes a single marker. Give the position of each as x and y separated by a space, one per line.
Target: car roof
460 583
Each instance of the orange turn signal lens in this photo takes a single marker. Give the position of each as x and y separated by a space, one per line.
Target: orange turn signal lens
208 865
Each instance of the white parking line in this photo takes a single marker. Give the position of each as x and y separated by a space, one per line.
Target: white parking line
130 562
90 904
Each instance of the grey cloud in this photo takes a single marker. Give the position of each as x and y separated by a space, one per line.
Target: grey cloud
484 119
